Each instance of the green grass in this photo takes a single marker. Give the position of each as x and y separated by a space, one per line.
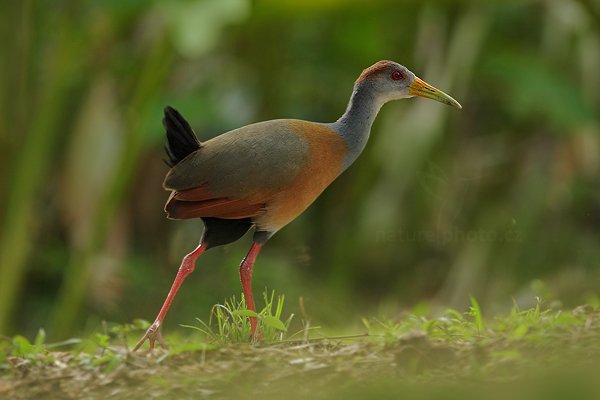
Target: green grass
229 323
539 352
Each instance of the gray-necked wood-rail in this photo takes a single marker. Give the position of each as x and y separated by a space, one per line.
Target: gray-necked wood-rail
264 175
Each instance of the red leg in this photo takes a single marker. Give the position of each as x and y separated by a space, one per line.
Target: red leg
187 267
246 268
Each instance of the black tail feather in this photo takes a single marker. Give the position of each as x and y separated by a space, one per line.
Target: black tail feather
181 139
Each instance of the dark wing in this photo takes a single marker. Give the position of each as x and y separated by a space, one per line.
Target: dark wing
235 175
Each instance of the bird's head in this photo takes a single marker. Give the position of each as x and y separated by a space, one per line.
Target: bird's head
392 81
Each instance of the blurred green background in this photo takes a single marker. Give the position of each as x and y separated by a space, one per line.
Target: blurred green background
499 200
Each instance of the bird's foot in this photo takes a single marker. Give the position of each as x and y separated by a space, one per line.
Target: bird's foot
152 335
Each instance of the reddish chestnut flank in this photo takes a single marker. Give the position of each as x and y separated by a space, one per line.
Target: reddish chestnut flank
264 175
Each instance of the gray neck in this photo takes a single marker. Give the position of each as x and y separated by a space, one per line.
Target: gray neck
355 125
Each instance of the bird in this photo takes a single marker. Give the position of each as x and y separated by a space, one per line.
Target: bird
263 175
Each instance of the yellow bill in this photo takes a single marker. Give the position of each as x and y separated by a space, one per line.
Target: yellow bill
421 88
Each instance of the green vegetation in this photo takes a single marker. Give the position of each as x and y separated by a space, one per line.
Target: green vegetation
229 323
534 352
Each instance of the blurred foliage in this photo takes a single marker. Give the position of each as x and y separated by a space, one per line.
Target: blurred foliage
442 204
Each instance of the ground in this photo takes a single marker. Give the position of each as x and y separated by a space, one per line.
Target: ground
529 354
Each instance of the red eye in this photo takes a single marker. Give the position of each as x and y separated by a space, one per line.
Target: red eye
397 75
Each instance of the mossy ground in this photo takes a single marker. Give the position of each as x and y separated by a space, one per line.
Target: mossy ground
527 354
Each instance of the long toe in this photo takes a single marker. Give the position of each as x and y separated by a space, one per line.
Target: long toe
153 334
